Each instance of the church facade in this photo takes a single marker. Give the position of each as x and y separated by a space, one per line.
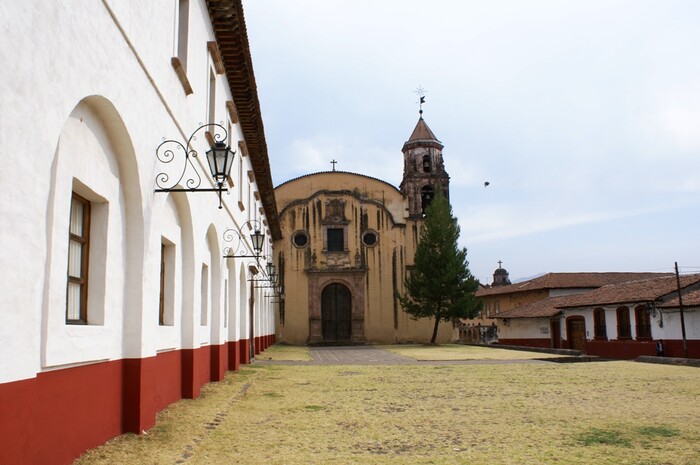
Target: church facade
348 241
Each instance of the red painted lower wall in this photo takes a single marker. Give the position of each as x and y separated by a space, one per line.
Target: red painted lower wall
219 362
55 417
621 350
234 356
245 351
542 343
631 349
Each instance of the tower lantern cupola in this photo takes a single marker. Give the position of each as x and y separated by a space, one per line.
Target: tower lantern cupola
500 276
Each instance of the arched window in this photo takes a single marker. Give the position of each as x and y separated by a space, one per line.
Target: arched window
623 323
643 322
599 328
427 164
426 196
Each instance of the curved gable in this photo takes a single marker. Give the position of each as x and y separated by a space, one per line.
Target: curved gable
365 189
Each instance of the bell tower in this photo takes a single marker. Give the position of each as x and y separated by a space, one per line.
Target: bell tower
423 169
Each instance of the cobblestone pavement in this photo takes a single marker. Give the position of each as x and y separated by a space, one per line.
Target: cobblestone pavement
369 355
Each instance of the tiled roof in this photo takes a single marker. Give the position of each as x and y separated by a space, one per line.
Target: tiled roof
690 299
422 132
539 309
567 281
645 290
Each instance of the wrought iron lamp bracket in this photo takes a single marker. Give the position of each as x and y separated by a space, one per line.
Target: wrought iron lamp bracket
169 150
236 247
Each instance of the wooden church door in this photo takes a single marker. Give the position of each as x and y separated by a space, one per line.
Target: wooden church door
336 313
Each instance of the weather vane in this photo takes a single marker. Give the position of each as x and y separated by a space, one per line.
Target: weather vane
420 92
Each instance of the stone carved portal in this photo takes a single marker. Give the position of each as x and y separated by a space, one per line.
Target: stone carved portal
336 307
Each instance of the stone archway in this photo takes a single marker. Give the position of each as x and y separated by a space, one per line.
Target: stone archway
336 313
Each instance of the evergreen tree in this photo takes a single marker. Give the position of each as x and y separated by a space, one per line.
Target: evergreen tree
440 284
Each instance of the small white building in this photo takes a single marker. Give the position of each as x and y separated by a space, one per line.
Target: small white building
620 321
117 299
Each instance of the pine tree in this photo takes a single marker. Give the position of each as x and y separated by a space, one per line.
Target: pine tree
440 284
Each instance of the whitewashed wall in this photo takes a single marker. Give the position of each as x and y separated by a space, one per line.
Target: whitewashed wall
671 328
87 95
524 328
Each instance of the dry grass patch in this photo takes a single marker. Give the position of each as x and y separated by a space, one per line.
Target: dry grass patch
583 413
448 352
283 352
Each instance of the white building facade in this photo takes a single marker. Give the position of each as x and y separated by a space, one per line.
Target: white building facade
117 300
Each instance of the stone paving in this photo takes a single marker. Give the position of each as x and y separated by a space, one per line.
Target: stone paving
370 355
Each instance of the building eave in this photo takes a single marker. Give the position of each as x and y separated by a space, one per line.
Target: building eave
228 22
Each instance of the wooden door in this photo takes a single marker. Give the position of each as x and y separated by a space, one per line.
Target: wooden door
336 313
555 330
576 333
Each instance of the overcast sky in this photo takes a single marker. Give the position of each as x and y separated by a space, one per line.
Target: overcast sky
584 117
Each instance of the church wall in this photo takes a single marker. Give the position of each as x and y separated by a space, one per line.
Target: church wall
91 94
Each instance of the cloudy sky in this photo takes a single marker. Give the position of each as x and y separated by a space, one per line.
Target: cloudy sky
584 116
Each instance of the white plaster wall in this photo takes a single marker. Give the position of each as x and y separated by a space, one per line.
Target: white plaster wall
61 53
672 325
524 328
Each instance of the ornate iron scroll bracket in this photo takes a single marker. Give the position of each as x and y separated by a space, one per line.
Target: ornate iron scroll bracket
219 158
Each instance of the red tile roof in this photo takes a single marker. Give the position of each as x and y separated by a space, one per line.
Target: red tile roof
422 132
568 281
544 308
690 299
645 290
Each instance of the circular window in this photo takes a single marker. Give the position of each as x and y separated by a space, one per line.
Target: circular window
300 239
370 238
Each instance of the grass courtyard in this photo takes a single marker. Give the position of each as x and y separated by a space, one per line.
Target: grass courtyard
580 413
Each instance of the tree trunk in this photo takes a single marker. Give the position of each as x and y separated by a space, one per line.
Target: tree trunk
435 329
